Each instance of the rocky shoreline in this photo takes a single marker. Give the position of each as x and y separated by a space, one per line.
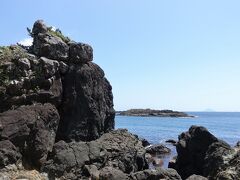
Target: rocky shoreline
57 122
153 113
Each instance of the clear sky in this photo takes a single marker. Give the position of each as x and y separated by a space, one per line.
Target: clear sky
162 54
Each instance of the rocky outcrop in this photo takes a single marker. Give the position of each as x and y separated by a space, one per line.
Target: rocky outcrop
32 129
158 149
196 177
201 153
58 71
118 149
47 44
49 92
8 153
87 103
159 173
191 148
222 162
28 80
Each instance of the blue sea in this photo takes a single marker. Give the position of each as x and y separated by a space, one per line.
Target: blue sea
224 125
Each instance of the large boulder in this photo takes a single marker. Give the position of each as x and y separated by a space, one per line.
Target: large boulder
191 148
32 129
158 149
196 177
46 74
222 162
51 92
80 53
46 42
108 173
117 149
201 153
159 173
9 154
87 108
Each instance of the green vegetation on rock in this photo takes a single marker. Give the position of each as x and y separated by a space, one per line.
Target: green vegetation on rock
59 34
10 53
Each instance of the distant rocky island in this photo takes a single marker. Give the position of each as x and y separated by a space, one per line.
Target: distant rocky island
152 112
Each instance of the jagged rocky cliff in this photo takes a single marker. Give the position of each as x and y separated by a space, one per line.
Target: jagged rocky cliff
57 116
57 122
61 72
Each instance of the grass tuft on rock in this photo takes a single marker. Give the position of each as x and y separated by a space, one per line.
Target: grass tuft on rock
11 53
59 34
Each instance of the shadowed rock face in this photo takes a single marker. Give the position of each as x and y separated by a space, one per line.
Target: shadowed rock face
87 107
49 92
32 129
201 153
8 153
57 71
118 149
57 116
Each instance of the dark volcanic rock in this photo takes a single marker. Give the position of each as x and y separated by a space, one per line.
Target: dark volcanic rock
87 110
196 177
77 87
39 27
108 173
171 141
80 53
191 148
38 81
48 45
158 149
117 149
201 153
159 173
32 129
222 162
145 142
124 151
8 153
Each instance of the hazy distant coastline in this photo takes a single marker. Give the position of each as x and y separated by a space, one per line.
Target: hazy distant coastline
152 112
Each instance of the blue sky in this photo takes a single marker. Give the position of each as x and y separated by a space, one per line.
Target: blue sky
181 55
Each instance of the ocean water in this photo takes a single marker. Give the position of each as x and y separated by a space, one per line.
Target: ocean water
224 125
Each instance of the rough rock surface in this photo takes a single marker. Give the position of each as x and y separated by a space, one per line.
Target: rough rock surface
8 153
159 173
113 174
201 153
30 80
80 53
222 162
118 149
32 129
145 142
87 103
191 148
196 177
13 172
158 149
48 45
57 71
